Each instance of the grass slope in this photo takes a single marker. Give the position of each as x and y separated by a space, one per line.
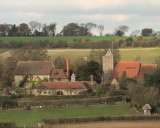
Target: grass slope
148 55
35 116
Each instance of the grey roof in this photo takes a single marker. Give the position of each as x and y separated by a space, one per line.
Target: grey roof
33 68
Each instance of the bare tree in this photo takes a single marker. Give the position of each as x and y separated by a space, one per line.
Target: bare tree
52 29
135 32
100 29
90 26
121 30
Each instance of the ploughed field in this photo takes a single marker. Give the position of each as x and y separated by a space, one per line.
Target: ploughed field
137 124
35 116
147 55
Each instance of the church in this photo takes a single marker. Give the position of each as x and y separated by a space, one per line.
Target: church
133 69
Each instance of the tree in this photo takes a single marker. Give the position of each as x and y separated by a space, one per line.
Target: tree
119 33
97 54
123 81
147 32
90 68
13 31
52 29
152 79
8 71
135 32
72 29
140 95
100 29
29 53
89 26
23 29
35 28
45 30
121 30
60 62
4 29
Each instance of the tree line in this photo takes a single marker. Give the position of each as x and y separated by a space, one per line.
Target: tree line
34 28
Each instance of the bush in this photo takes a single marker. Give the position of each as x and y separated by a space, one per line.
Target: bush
7 125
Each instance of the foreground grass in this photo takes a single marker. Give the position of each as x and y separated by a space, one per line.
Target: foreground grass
35 116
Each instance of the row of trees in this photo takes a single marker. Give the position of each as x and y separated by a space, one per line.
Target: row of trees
34 28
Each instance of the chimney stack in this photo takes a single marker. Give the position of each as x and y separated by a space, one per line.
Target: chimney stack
67 67
92 79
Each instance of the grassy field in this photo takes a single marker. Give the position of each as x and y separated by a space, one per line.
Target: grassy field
66 38
148 55
35 116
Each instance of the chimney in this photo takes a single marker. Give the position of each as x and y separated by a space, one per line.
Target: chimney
67 67
92 79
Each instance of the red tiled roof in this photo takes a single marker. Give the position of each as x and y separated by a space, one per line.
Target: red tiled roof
33 68
61 85
89 84
58 73
131 69
146 69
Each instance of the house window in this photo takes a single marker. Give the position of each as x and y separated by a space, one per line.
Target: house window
44 92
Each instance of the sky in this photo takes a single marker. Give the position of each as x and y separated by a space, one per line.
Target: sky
136 14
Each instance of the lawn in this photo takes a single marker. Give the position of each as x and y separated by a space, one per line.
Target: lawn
147 55
35 116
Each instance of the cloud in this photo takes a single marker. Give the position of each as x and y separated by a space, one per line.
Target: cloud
110 13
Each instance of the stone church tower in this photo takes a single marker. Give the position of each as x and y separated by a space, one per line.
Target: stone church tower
108 63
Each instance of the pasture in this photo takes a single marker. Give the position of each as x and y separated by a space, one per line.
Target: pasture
147 55
35 116
69 39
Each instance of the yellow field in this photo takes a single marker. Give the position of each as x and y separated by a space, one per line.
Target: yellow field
150 124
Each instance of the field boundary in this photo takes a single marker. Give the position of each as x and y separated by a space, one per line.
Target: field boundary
53 121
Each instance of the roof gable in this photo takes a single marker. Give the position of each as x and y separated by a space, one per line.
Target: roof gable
58 73
131 69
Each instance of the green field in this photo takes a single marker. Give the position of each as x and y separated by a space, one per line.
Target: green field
148 55
66 38
35 116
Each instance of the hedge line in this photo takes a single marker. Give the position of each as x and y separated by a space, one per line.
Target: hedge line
98 118
72 101
7 125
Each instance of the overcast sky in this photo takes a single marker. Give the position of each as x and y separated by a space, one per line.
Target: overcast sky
136 14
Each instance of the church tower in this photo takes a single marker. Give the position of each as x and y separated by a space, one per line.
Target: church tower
108 63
